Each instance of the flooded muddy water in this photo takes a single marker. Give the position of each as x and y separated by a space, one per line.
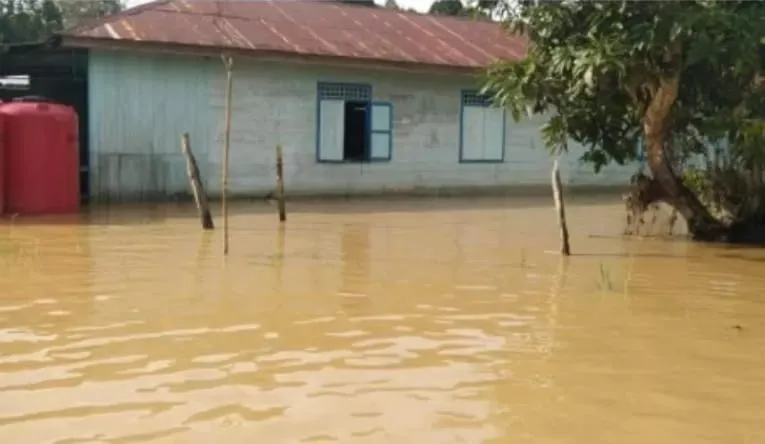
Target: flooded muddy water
443 321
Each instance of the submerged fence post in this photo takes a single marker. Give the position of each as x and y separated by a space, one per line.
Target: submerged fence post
228 63
200 196
565 249
280 184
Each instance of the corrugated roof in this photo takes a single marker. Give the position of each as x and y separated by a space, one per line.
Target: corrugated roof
315 28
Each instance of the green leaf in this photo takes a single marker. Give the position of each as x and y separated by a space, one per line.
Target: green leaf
596 64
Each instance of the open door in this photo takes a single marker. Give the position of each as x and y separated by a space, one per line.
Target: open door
381 131
331 130
493 134
472 133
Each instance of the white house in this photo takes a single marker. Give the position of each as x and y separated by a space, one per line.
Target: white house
362 100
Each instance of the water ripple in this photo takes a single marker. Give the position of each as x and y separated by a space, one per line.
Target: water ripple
376 327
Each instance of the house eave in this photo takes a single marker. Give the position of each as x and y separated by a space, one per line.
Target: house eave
262 55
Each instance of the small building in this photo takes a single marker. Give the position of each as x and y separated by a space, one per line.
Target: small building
362 100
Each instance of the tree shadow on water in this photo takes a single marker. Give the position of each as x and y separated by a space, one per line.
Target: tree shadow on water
112 215
634 255
152 213
741 257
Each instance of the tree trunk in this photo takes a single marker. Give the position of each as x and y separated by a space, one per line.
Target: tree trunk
701 224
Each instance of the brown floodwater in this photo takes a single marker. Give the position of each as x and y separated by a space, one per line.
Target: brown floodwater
422 321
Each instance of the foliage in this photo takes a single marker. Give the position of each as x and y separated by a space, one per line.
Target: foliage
28 20
729 180
447 7
682 79
595 67
370 3
466 8
34 20
77 12
391 4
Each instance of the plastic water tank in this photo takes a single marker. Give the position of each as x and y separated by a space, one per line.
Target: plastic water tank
41 157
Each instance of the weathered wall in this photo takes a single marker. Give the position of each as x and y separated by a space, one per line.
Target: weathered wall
141 104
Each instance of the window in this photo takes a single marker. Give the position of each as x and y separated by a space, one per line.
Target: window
351 127
482 130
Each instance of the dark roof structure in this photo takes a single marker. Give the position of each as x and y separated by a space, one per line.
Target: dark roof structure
305 28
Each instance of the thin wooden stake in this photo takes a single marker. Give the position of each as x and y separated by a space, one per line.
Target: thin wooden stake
228 63
280 184
197 187
565 249
280 240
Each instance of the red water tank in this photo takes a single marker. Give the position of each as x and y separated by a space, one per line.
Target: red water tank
41 158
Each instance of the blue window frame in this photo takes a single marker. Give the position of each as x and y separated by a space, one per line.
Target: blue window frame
482 129
350 127
381 131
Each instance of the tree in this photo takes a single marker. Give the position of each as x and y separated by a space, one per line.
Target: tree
447 7
468 8
28 20
682 78
34 20
370 3
77 12
391 4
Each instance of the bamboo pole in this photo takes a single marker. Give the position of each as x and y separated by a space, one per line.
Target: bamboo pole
280 184
565 249
197 187
228 64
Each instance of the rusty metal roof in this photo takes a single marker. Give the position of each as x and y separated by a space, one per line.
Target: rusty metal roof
311 28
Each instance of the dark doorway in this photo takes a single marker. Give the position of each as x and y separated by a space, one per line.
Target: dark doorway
59 75
70 90
356 121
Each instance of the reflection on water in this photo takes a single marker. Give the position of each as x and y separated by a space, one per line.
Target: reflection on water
412 322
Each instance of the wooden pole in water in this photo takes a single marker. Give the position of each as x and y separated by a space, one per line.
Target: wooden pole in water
280 184
200 196
228 63
565 249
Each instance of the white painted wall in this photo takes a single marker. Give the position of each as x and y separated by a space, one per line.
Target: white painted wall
275 103
138 108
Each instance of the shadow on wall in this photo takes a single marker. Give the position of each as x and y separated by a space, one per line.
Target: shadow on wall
125 177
